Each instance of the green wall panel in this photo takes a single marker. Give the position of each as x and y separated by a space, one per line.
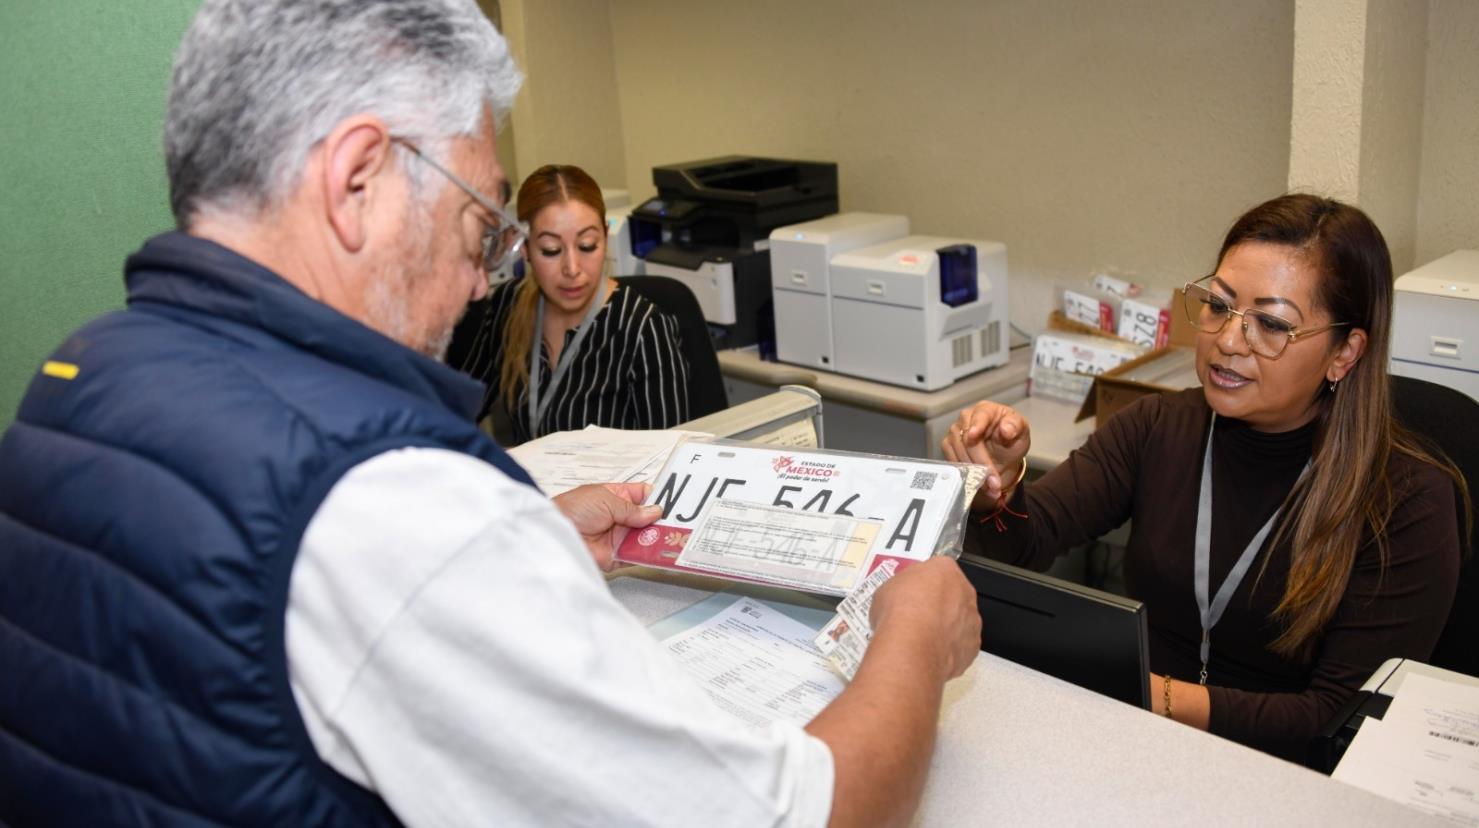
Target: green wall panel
82 91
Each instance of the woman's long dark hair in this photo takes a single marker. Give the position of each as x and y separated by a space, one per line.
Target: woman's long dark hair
1348 496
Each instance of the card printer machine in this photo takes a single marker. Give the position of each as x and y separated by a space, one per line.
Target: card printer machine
710 224
920 311
800 276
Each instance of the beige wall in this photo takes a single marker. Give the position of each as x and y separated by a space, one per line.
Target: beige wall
1391 121
1384 115
1081 134
1356 131
1328 79
567 112
1448 201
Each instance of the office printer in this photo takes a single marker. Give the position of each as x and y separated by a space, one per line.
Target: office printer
710 224
800 277
1435 323
1371 701
920 311
621 260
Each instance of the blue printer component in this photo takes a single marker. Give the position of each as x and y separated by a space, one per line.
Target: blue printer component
709 227
958 275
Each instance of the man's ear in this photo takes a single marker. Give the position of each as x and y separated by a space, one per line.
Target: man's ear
354 157
1347 355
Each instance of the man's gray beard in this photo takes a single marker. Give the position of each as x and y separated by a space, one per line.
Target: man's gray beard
386 303
436 346
392 287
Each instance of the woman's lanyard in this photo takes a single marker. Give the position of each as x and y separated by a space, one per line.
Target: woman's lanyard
538 406
1212 613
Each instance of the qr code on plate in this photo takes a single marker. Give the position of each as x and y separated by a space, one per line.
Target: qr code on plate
923 480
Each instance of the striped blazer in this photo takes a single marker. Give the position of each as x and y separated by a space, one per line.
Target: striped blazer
629 371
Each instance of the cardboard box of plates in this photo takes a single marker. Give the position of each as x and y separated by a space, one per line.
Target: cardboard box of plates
1165 369
1067 357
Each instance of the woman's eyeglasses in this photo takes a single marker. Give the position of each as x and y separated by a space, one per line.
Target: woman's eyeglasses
1267 334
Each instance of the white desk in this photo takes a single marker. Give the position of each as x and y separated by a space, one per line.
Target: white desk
860 415
1054 433
1017 747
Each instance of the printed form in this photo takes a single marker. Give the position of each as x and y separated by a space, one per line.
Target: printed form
780 546
1424 752
758 664
561 461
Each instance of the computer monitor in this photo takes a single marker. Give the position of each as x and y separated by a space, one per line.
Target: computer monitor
1081 635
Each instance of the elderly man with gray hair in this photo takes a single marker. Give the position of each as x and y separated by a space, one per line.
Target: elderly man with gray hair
259 567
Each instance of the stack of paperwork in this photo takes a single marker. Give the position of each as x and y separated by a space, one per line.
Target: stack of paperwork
561 461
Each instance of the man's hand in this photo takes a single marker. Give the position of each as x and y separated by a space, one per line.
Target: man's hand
991 435
934 601
602 514
881 729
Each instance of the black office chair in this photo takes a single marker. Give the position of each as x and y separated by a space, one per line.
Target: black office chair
1446 419
705 384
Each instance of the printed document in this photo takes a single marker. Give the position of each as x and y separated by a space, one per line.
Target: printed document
1424 752
758 664
561 461
781 546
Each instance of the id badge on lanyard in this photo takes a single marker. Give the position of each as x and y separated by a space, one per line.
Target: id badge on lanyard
1211 611
537 406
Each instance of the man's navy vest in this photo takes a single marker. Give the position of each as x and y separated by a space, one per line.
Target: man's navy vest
153 491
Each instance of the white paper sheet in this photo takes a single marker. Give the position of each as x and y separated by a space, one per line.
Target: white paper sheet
800 434
780 546
1424 752
758 664
561 461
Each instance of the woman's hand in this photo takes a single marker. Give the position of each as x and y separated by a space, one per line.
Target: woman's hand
992 435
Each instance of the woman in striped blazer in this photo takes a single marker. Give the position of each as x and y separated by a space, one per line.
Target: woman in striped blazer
568 346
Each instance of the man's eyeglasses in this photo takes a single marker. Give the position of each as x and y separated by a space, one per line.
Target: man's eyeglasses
1267 334
503 237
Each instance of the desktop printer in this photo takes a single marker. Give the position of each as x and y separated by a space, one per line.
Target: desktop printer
800 262
1370 702
920 311
620 259
1435 323
709 228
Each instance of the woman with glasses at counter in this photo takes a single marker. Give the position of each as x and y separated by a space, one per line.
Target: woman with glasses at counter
568 346
1287 535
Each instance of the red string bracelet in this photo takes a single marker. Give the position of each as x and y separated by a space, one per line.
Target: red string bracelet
1001 505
